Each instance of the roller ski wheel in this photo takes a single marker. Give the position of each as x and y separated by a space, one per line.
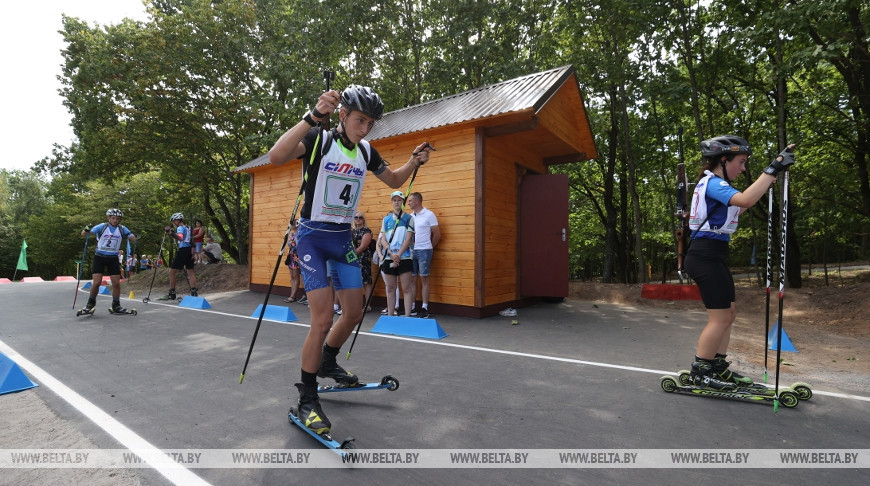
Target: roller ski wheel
386 383
324 438
802 390
787 398
685 377
86 311
122 312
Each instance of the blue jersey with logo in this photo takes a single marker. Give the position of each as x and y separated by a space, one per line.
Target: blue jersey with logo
711 216
185 234
401 227
109 238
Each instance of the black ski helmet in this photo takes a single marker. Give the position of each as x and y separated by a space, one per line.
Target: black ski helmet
725 144
364 99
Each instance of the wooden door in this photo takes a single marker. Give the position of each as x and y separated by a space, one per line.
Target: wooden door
543 228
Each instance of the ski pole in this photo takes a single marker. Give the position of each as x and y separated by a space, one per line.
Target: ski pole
154 275
390 242
407 193
785 182
767 293
359 324
328 76
81 267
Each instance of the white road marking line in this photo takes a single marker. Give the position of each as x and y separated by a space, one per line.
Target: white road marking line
521 354
178 474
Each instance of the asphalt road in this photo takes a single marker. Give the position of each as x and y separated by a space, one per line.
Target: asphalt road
569 376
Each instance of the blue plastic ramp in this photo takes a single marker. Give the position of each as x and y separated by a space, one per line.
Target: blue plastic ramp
275 313
194 302
409 326
12 379
773 343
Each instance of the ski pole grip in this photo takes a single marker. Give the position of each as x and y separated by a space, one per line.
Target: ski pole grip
782 162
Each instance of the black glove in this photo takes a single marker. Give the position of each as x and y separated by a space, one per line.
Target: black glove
87 229
782 162
167 229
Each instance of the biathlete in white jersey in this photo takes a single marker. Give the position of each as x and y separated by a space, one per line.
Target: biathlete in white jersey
109 236
332 194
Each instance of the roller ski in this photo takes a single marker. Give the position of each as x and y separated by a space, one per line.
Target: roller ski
88 310
702 380
801 389
120 311
170 296
387 383
310 417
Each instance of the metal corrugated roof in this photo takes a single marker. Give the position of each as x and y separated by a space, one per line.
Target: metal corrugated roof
527 92
259 161
519 94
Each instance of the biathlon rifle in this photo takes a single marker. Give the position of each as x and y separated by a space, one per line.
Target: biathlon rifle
682 212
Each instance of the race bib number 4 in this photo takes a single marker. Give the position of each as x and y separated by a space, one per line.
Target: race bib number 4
340 195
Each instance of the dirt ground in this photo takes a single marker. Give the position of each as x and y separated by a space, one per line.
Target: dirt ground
222 277
829 324
827 321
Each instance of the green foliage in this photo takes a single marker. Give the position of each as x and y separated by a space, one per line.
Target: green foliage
165 110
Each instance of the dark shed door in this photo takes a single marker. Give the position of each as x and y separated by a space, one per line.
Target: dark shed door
543 228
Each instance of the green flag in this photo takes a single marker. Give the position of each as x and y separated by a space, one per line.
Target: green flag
22 259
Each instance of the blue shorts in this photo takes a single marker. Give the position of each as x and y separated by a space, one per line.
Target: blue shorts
422 260
326 250
197 247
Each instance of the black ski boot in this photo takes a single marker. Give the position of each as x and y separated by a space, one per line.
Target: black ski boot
720 367
309 411
117 309
169 296
703 376
89 308
193 292
329 368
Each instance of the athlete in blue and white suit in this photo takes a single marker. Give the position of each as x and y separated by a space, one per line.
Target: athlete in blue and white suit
716 207
183 260
108 236
324 234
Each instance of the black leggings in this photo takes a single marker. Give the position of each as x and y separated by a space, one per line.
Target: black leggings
707 264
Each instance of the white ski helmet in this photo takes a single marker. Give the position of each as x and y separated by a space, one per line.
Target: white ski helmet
176 216
115 212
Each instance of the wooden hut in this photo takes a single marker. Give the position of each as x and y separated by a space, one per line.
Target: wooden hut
503 218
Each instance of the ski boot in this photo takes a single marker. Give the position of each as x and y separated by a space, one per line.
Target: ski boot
702 375
720 367
116 309
193 292
89 308
308 410
169 296
329 368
